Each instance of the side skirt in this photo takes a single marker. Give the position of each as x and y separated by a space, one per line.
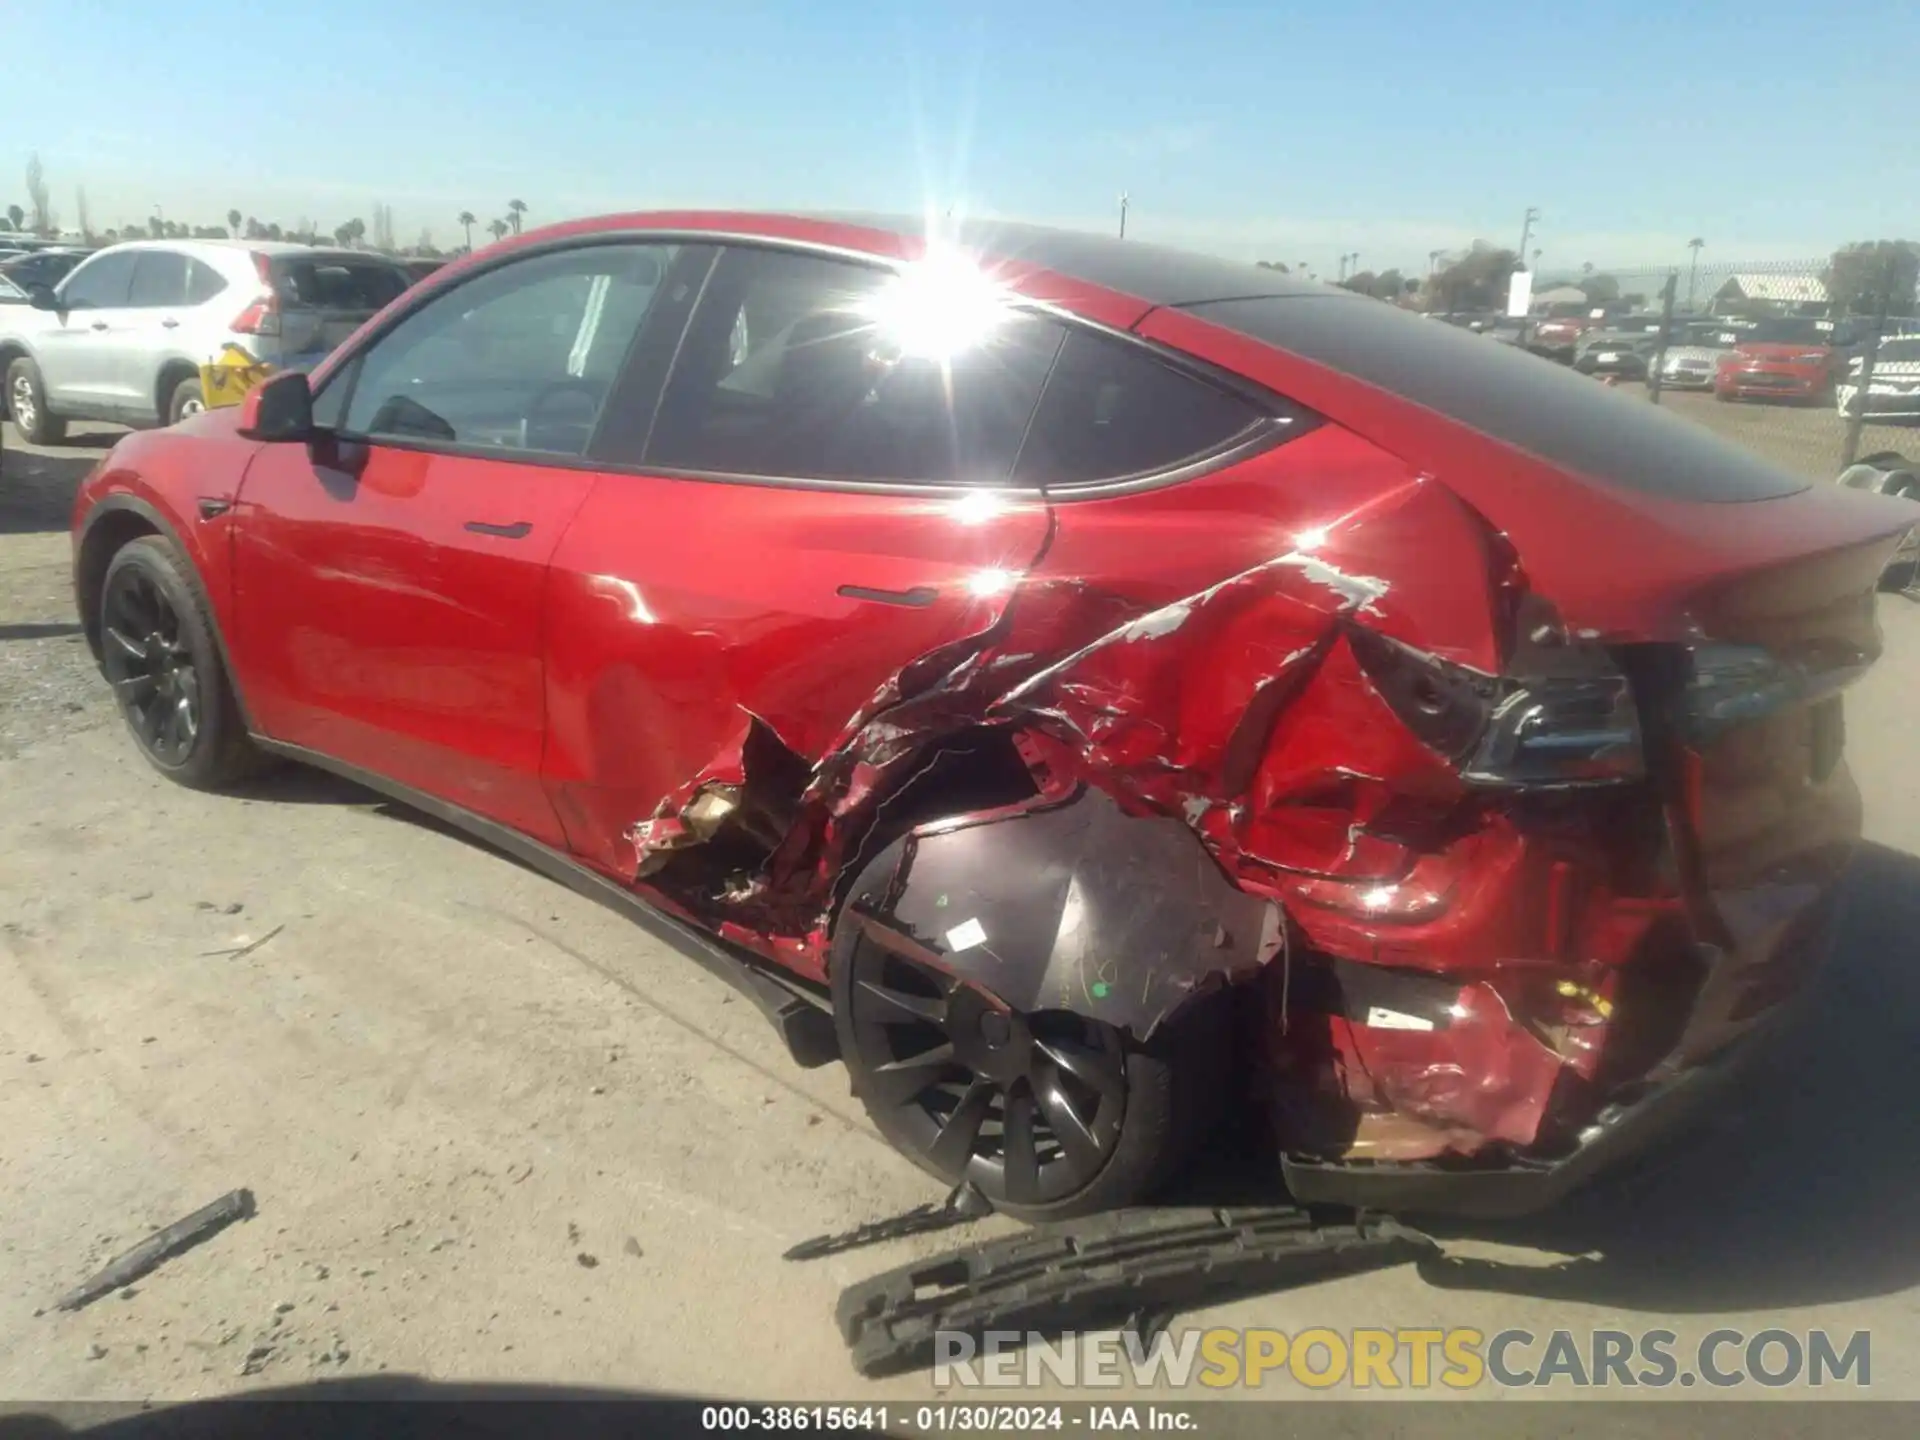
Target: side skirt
801 1014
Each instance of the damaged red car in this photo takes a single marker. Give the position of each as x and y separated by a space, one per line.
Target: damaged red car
1079 685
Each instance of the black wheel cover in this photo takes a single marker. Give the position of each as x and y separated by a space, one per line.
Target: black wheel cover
1026 1107
147 660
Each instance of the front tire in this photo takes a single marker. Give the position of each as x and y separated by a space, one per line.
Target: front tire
27 400
159 653
1051 1114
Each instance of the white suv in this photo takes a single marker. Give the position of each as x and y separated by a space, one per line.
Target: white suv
123 337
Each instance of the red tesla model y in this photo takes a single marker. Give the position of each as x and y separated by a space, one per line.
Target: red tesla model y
1077 684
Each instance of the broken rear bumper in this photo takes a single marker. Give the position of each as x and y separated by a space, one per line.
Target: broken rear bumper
1656 1109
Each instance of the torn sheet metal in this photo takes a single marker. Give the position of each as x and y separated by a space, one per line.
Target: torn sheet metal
1073 906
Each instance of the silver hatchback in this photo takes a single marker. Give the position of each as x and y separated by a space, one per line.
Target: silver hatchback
123 337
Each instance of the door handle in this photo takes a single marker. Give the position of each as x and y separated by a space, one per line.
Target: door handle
519 530
169 324
918 597
99 325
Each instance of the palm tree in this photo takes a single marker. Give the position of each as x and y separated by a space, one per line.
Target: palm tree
466 222
233 223
356 230
516 208
498 229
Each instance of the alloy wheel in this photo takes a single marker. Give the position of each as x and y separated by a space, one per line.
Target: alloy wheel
22 404
150 666
1026 1106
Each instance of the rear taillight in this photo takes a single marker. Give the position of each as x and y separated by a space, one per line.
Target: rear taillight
262 317
1561 730
1571 722
1739 684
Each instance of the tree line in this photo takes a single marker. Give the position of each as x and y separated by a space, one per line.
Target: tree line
38 217
1861 278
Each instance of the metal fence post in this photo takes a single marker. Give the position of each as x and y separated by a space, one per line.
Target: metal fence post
1666 332
1863 389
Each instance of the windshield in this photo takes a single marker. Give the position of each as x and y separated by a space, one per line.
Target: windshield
1789 332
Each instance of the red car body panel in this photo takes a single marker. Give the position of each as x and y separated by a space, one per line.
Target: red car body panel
667 619
1757 369
402 640
670 666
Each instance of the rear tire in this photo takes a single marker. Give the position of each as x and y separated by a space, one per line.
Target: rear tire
27 402
1168 1092
189 397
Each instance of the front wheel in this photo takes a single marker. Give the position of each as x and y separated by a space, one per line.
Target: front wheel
1049 1114
27 400
157 650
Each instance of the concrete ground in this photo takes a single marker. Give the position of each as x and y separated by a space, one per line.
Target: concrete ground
497 1133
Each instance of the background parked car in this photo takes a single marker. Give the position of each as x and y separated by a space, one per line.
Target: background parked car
42 267
1621 346
1558 333
1788 358
123 338
1693 354
1894 392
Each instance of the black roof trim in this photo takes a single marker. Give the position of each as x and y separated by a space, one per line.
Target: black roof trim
1156 274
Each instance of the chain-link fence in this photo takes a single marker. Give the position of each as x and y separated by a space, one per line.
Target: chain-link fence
1814 364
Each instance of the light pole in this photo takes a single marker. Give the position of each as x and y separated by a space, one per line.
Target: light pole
1693 266
1123 214
1433 261
1526 233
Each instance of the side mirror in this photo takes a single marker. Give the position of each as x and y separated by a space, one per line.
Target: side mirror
279 409
41 297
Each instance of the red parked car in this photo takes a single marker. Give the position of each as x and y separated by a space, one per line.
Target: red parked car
1780 359
1075 683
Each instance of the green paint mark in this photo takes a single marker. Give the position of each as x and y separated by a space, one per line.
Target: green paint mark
1101 989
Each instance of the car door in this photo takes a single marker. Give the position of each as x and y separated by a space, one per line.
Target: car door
74 345
390 578
821 500
151 336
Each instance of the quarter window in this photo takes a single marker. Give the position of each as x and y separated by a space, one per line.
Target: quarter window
1111 409
801 366
519 358
203 282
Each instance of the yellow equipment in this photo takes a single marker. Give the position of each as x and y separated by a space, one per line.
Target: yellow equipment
231 375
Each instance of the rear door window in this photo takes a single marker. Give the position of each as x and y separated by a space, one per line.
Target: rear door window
1113 409
797 366
159 280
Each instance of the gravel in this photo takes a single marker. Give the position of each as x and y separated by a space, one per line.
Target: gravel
48 683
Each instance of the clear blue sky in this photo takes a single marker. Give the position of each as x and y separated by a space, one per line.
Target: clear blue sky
1775 130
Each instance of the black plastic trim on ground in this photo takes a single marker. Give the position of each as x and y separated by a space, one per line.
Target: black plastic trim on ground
1133 1268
